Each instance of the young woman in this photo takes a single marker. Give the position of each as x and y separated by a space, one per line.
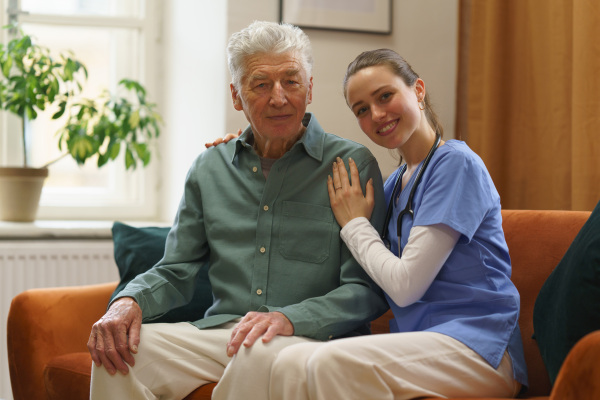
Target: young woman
445 269
443 261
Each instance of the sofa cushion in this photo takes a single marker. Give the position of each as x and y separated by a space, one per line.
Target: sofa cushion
568 305
68 376
139 249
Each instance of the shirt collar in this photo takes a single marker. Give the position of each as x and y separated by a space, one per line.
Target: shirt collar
311 141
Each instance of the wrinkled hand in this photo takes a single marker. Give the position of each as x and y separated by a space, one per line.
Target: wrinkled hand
225 139
255 325
347 200
116 336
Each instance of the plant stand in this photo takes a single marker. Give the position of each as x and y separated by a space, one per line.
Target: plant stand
20 192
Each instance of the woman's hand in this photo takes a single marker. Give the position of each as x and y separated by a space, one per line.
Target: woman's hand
347 200
225 139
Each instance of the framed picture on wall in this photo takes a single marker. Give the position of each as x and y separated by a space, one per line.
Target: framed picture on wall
370 16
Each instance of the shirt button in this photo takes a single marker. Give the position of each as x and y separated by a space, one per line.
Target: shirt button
262 249
266 208
259 292
254 169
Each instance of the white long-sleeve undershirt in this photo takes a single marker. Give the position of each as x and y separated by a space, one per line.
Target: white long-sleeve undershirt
404 279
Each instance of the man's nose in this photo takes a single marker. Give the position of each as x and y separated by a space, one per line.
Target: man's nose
278 95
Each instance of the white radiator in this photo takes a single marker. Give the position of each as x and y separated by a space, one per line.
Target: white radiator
31 264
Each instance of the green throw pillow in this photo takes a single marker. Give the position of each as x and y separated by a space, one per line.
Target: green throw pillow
139 249
568 305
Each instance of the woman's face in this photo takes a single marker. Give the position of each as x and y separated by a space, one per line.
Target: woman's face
386 109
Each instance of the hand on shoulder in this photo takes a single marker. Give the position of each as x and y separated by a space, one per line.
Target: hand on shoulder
225 139
346 198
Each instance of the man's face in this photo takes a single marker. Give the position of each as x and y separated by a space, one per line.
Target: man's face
274 94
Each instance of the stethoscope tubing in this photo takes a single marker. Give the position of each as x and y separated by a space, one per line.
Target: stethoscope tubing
408 209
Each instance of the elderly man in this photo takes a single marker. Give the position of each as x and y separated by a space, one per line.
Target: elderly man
257 210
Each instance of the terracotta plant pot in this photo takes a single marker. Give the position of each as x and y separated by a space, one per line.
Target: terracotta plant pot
20 192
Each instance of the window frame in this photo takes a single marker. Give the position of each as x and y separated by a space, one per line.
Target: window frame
137 193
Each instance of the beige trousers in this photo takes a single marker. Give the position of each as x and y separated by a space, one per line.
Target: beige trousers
390 366
174 359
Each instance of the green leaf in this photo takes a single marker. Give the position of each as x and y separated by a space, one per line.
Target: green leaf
81 148
31 114
102 159
53 90
134 120
7 65
41 104
69 70
156 129
115 149
142 152
129 160
62 137
62 106
82 111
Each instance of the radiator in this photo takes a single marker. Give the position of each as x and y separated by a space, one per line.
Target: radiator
32 264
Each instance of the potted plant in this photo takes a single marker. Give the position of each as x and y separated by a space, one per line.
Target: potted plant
110 124
32 80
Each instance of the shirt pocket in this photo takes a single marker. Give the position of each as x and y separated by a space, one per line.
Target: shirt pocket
306 231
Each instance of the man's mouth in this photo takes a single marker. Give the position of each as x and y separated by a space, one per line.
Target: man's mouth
279 117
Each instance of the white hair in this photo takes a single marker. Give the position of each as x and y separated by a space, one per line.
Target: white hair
266 37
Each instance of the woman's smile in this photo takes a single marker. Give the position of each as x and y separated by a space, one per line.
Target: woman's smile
388 128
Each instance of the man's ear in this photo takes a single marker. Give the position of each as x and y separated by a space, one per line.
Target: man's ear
235 96
310 86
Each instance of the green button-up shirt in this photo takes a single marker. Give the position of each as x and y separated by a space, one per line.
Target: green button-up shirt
271 244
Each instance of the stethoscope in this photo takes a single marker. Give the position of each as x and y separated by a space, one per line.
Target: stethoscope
408 209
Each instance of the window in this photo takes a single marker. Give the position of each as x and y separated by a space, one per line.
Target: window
115 39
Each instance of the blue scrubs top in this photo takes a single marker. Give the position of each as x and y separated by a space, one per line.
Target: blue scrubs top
472 299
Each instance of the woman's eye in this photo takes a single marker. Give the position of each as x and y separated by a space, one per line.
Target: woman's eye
386 96
361 111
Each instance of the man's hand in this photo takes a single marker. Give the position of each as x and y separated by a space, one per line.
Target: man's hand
255 325
116 335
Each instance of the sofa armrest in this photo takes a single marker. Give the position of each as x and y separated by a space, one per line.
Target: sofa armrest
579 375
45 323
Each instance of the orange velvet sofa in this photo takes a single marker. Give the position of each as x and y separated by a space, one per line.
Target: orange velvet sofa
48 328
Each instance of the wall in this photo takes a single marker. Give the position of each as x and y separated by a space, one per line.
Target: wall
192 77
424 32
